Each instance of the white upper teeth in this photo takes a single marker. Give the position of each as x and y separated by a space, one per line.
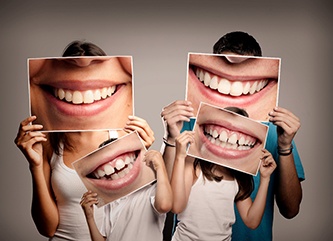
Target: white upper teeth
120 164
108 169
84 97
121 167
233 88
231 141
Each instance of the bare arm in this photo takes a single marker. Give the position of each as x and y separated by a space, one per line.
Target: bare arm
87 203
163 196
44 210
252 212
288 189
173 116
182 174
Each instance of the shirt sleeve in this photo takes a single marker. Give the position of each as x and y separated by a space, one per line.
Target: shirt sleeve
152 199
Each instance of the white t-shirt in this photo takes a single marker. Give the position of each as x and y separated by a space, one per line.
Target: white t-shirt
134 217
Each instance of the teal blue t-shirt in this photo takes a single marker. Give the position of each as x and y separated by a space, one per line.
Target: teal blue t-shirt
264 232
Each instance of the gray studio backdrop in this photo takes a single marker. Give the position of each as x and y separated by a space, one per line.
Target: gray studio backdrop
159 35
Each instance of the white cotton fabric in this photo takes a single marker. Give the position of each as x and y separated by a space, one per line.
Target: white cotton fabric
134 217
68 189
209 214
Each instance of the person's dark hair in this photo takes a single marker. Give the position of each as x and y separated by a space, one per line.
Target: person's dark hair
75 48
237 110
207 169
81 48
245 181
56 138
104 143
239 43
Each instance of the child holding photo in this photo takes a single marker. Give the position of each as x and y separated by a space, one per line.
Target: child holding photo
137 216
204 195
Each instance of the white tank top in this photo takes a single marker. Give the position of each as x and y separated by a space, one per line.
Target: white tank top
209 214
68 190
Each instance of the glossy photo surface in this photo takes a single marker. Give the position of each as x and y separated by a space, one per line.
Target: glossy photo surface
81 93
228 139
115 169
247 82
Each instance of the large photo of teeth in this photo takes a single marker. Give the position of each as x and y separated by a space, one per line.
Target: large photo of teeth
115 169
81 93
226 137
225 80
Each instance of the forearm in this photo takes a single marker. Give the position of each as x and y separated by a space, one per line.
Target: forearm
43 209
163 197
178 186
256 211
94 232
288 187
169 154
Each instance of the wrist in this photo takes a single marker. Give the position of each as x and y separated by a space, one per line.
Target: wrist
169 142
170 139
160 172
264 179
180 157
35 168
285 150
284 145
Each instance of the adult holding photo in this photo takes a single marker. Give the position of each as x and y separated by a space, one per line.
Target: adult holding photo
285 186
57 189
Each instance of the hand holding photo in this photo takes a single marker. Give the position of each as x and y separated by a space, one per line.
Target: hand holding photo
227 137
247 82
81 93
115 169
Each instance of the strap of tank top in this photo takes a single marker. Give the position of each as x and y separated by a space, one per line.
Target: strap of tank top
113 134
